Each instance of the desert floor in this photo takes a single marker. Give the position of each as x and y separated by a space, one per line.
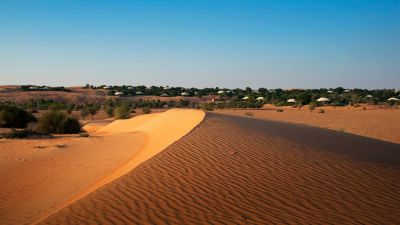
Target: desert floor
238 170
383 124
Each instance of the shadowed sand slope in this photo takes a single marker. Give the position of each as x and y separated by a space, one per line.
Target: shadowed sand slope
48 179
232 170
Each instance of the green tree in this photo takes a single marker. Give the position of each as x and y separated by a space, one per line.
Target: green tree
122 112
93 109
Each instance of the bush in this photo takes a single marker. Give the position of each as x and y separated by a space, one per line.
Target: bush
146 110
207 107
122 112
321 111
70 126
14 117
279 110
51 120
109 110
58 122
21 133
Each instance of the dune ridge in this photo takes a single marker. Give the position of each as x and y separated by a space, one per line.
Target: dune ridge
88 164
232 170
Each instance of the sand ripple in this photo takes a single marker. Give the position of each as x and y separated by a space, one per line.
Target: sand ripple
229 172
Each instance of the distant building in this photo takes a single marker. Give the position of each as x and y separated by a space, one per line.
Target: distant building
323 100
292 100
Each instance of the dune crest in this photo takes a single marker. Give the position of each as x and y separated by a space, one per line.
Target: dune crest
51 179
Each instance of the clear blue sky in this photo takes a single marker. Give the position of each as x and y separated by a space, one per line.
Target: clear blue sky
225 43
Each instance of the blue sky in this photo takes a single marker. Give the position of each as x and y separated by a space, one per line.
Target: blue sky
225 43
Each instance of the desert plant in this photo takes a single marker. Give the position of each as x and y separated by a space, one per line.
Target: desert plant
207 107
59 123
50 121
279 110
146 110
24 133
122 112
70 126
109 110
321 111
93 109
15 117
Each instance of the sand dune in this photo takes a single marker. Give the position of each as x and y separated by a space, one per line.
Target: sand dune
36 182
376 123
232 170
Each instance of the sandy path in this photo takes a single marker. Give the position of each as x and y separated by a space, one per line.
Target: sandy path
234 170
34 183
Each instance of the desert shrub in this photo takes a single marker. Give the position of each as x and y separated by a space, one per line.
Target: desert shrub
357 106
146 110
58 122
311 108
122 112
279 110
21 133
51 120
364 108
249 114
70 126
321 111
109 110
17 134
15 117
207 107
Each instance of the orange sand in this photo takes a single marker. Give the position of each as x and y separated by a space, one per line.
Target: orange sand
245 171
36 182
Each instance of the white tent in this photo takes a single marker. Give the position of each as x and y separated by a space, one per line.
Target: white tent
245 98
164 95
221 92
260 98
184 94
292 100
139 93
393 99
368 96
323 99
118 93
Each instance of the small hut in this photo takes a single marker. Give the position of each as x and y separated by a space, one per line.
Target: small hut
260 98
393 99
323 100
292 100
